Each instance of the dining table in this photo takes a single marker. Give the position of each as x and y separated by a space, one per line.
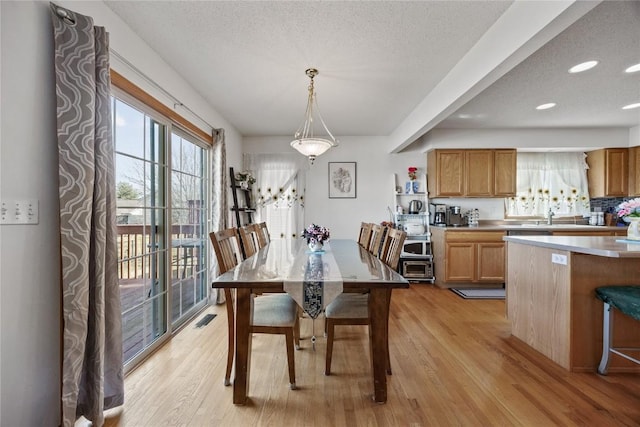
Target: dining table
312 278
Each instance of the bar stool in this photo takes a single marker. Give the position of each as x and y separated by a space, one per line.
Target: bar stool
627 300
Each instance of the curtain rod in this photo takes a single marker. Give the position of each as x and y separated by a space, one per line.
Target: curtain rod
176 101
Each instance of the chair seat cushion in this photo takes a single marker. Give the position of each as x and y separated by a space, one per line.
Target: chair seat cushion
624 298
274 310
349 306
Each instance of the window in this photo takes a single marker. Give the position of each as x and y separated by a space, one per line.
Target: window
546 182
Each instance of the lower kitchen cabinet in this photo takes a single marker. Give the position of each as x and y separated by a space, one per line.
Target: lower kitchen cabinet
468 257
475 262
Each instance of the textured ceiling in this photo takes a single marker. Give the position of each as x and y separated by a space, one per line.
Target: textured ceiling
379 60
610 34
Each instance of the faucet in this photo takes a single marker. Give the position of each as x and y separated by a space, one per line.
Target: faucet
550 217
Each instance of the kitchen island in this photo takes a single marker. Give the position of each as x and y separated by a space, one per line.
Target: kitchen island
476 256
551 301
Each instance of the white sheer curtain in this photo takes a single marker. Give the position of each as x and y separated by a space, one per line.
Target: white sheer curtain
550 181
279 191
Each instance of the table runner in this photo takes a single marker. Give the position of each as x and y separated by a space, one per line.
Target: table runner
314 280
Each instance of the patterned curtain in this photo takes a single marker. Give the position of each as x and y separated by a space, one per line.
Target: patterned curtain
550 181
92 372
219 201
279 191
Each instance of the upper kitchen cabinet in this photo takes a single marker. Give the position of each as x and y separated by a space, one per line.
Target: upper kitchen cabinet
471 173
445 173
608 172
634 171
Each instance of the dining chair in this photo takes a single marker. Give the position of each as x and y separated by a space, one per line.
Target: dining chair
365 234
249 237
272 314
263 235
377 235
352 308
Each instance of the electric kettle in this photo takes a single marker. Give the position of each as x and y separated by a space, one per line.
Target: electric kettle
415 206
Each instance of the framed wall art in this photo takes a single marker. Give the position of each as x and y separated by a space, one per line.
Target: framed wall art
342 180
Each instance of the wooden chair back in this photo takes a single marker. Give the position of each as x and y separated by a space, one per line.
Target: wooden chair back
392 247
263 235
226 244
377 236
249 236
365 234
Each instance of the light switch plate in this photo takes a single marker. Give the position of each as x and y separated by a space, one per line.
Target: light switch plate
559 259
19 211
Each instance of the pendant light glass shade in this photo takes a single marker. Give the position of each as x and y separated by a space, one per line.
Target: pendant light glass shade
307 141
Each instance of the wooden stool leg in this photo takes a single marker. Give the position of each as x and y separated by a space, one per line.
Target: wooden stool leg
607 335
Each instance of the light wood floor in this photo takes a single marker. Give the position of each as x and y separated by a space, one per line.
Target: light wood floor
454 363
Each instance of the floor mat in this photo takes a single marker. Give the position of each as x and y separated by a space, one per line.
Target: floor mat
480 293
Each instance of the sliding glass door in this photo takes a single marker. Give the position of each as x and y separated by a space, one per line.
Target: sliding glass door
161 211
188 219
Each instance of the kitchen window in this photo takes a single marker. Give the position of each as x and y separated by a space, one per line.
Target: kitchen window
545 182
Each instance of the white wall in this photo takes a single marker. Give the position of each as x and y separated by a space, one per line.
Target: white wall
29 274
375 186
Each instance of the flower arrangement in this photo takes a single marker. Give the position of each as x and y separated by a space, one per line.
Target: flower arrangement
411 171
315 234
245 176
629 209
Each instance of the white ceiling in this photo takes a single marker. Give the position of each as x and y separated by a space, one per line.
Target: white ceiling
379 61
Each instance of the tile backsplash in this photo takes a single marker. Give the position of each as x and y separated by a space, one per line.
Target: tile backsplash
606 204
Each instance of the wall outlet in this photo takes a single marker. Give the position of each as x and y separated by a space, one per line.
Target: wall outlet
19 211
559 259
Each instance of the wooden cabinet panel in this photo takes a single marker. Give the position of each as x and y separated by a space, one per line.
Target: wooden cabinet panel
504 164
474 257
608 172
617 173
449 173
471 173
460 262
634 171
490 262
479 173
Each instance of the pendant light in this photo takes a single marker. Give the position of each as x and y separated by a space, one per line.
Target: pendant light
307 141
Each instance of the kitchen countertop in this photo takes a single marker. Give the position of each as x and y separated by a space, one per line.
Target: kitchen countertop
522 227
605 246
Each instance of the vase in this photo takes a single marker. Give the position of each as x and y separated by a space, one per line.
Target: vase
408 187
633 230
315 246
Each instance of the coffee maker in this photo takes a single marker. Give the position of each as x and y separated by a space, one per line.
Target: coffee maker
455 218
438 215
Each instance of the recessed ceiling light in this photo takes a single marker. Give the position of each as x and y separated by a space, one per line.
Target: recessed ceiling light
583 67
631 106
633 69
464 116
546 106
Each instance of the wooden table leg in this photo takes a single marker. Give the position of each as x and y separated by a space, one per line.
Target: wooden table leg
243 346
379 316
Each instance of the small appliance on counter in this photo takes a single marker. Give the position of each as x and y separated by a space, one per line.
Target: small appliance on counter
438 215
455 217
415 206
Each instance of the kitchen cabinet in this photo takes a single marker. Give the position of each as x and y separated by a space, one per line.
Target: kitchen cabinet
634 171
471 173
445 173
608 172
466 257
